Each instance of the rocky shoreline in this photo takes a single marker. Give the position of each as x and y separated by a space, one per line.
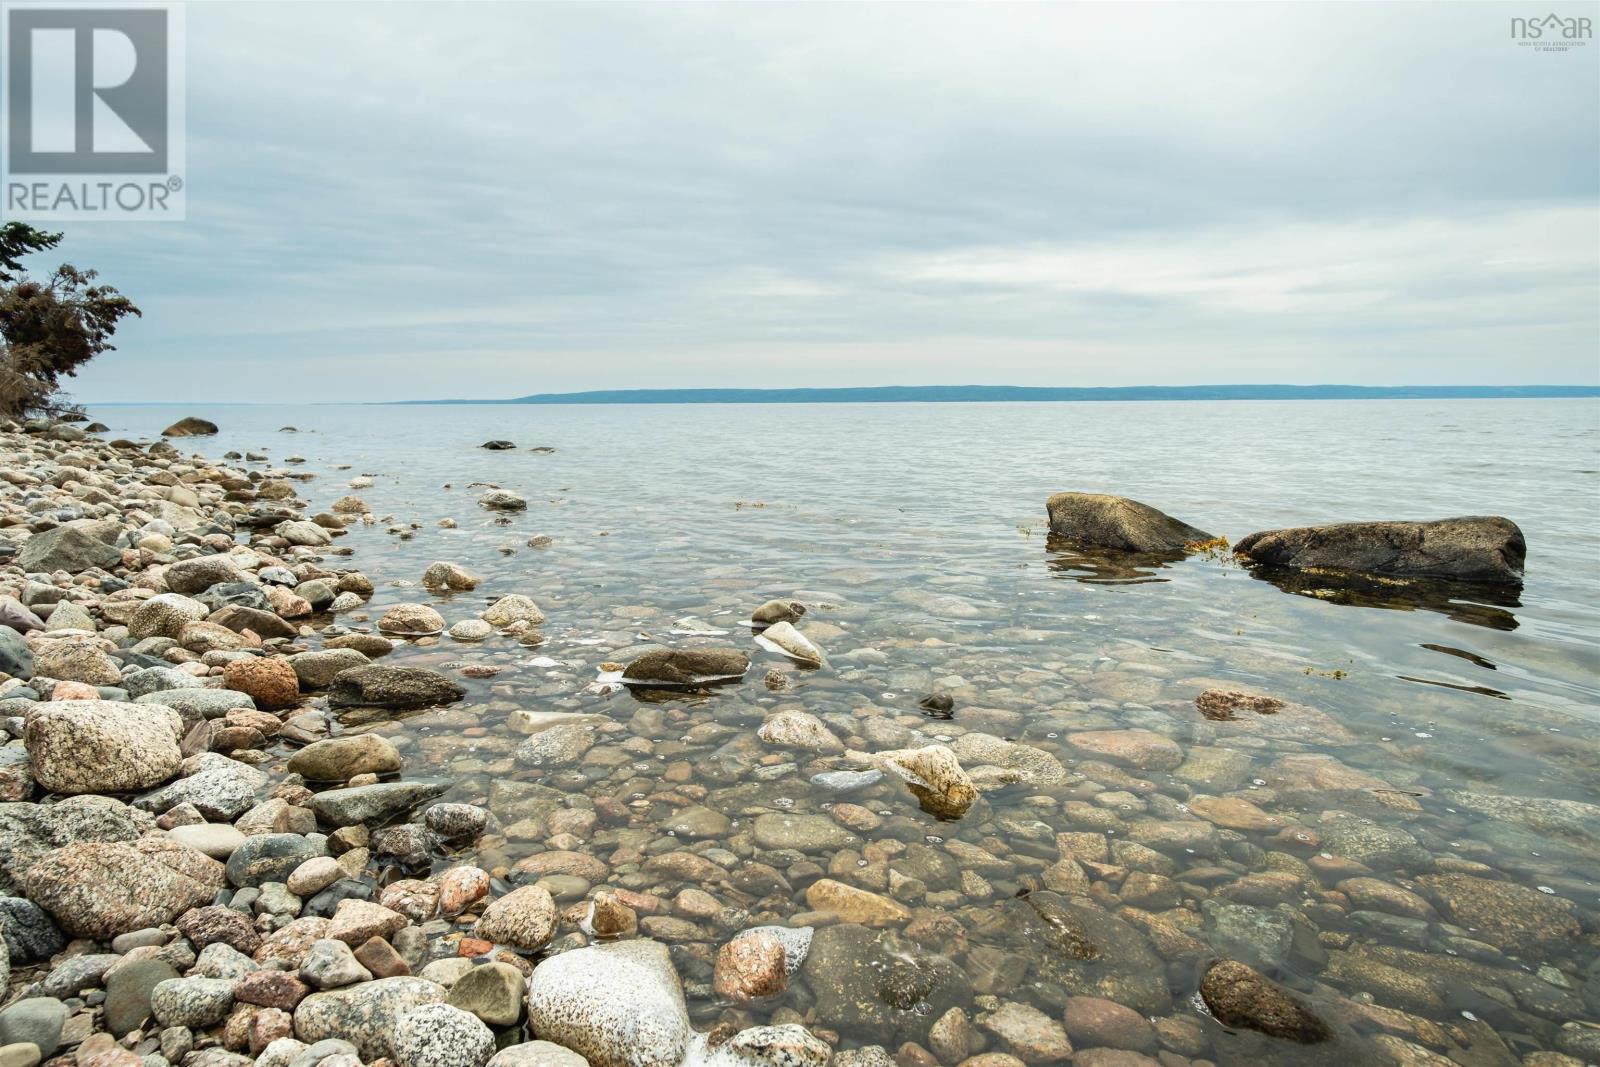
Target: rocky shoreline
214 850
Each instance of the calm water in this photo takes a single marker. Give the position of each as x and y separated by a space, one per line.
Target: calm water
917 532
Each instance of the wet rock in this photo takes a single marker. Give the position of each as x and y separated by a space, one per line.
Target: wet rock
936 779
759 962
338 759
438 1035
776 611
1095 1021
102 889
411 620
449 577
471 630
1116 522
1259 937
1142 749
513 609
852 905
879 986
1510 916
558 746
796 729
498 445
783 637
364 1014
1475 549
1014 763
788 1045
1029 1034
191 426
381 686
686 666
1240 996
1372 844
373 803
66 548
271 683
97 746
618 1005
805 833
524 919
502 500
456 822
1070 931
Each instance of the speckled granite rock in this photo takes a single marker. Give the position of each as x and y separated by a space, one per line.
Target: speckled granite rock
438 1035
364 1014
619 1005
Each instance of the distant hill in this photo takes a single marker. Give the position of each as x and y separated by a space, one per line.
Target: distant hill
966 394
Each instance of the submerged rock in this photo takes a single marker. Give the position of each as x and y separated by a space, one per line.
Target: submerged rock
876 985
1240 996
1117 522
935 777
618 1005
686 666
1478 548
383 686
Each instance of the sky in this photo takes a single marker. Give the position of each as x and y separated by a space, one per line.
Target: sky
394 201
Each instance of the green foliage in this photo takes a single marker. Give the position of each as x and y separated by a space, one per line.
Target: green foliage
49 327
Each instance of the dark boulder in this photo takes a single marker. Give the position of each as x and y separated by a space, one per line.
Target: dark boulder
497 445
190 427
1477 548
1116 522
380 686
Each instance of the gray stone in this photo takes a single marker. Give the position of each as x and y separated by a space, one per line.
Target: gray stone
317 669
78 973
364 1014
270 858
192 1002
438 1035
128 993
332 965
66 548
805 833
37 1020
373 803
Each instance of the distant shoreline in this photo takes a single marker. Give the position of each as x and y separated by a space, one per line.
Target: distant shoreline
960 394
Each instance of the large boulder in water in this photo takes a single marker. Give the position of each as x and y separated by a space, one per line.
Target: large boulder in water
1241 997
1106 521
1477 548
190 427
686 666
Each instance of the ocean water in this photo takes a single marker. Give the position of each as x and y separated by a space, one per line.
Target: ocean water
917 535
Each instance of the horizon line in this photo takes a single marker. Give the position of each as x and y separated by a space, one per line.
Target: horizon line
958 394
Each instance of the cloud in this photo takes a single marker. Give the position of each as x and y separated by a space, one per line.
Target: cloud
509 198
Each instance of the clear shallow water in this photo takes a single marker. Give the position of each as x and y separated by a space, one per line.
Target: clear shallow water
918 532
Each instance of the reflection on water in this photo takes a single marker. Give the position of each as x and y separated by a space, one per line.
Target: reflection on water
1478 604
1105 566
1399 844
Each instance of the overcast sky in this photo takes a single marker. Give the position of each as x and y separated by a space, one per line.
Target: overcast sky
410 201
